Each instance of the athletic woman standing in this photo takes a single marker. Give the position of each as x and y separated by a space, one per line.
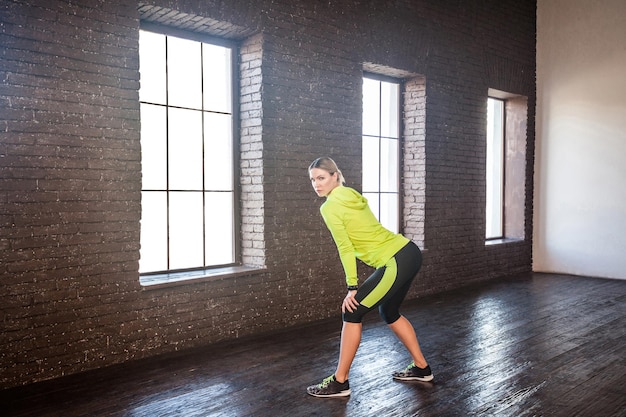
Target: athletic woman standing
397 260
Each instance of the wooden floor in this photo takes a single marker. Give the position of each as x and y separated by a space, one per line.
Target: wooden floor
537 345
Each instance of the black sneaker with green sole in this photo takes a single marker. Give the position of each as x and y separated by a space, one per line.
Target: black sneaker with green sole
329 387
414 373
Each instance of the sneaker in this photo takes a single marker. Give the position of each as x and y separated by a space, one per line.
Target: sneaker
414 373
330 388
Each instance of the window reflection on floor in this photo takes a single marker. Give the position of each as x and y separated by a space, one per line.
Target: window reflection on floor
189 401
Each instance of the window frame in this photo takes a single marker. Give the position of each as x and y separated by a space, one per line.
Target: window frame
233 268
399 168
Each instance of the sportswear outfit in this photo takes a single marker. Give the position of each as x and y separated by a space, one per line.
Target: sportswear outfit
359 235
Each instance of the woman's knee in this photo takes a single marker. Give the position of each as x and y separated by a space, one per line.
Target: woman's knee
389 315
352 317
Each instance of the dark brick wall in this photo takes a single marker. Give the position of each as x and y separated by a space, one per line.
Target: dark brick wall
70 164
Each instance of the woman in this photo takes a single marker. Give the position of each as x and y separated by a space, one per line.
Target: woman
397 260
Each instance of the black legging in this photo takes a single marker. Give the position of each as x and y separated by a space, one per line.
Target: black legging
387 286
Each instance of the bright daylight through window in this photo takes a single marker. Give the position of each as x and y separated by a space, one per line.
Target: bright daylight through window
495 169
381 137
188 191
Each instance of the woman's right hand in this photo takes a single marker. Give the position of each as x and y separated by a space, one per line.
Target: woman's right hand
349 303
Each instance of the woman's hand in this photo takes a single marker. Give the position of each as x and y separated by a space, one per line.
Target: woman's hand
349 303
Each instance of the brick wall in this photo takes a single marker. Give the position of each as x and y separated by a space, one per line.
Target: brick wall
70 164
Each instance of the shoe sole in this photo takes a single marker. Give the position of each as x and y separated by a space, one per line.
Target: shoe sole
343 393
414 378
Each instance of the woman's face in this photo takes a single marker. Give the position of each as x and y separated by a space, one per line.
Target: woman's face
322 181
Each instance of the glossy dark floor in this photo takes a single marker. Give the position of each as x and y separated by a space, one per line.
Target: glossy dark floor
536 345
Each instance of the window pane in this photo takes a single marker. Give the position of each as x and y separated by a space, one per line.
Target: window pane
184 73
373 201
371 107
370 163
186 236
219 228
218 143
152 67
389 110
153 232
185 149
495 168
389 209
217 69
389 165
153 147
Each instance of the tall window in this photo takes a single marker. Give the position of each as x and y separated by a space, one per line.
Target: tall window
495 169
381 147
507 119
188 189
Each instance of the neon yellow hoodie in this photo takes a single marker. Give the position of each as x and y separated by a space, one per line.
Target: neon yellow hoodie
357 233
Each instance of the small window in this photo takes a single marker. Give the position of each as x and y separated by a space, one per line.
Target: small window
495 168
188 217
381 150
506 166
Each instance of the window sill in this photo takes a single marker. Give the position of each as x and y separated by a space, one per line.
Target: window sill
493 242
150 282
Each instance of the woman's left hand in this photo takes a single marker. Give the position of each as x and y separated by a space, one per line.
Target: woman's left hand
349 303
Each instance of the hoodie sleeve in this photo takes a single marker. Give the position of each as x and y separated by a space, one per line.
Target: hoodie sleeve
334 222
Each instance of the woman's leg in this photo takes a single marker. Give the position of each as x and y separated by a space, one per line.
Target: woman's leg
404 330
408 262
350 340
353 327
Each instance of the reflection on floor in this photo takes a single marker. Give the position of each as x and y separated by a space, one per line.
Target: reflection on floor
535 345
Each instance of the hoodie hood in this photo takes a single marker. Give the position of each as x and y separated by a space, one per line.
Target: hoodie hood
347 197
